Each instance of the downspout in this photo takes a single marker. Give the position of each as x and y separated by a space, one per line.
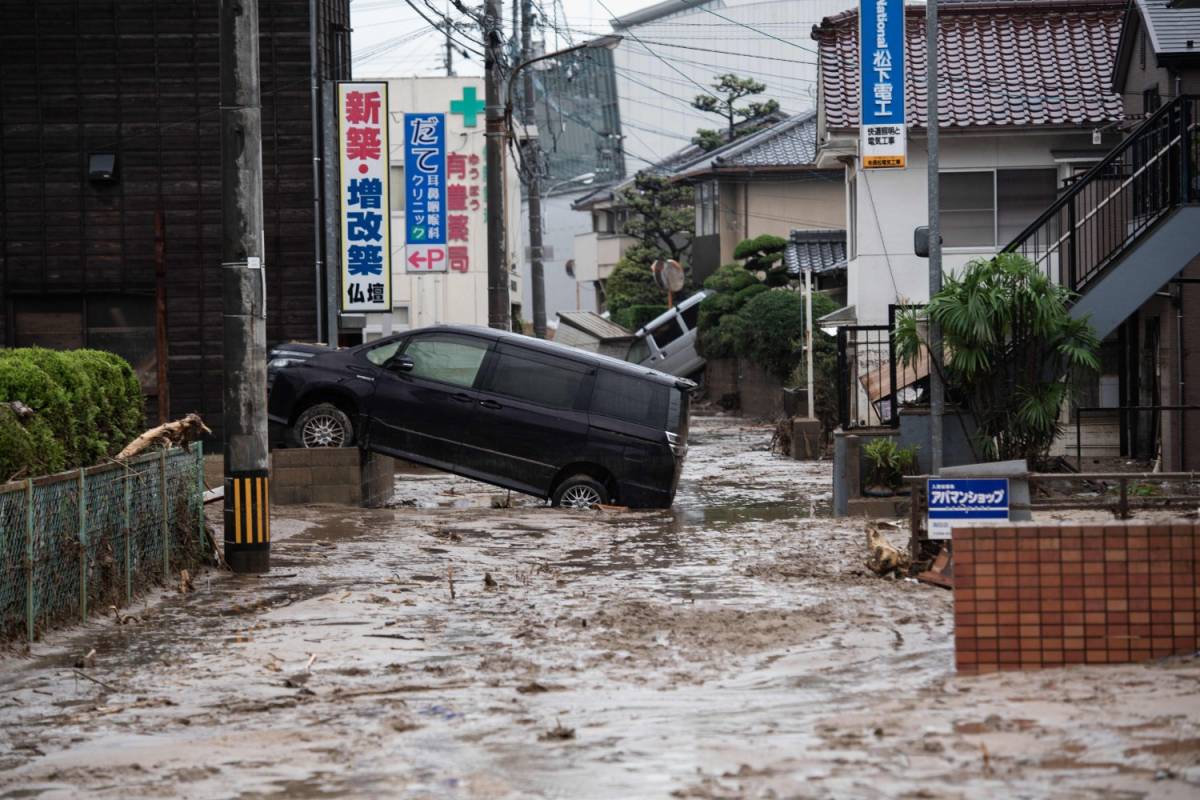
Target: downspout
318 217
1179 361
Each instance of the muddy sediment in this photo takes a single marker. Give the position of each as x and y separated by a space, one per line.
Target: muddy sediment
734 646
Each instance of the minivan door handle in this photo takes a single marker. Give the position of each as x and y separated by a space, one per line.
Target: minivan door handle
490 404
462 398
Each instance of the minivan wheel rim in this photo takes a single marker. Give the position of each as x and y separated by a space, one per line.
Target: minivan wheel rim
323 431
580 497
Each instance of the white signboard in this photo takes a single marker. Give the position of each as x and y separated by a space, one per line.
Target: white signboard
366 240
883 139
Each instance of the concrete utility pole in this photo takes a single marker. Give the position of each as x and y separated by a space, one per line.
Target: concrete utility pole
808 340
533 163
495 135
247 499
449 50
937 391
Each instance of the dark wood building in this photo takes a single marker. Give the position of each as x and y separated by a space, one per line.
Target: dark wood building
109 126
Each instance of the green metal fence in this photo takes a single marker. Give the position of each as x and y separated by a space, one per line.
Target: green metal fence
92 538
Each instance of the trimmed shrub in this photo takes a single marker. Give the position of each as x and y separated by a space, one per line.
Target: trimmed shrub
87 404
729 278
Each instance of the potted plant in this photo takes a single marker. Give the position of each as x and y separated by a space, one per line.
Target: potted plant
887 464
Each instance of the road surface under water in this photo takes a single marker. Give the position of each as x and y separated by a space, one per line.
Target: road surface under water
731 647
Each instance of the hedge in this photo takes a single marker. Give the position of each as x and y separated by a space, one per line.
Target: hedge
634 317
86 405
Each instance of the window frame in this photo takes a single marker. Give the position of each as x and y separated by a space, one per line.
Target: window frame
995 175
480 373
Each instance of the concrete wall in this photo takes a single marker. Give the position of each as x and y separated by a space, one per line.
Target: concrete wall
957 430
338 475
754 208
891 203
760 395
1032 595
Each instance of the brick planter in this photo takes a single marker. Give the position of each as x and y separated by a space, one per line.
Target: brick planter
1032 595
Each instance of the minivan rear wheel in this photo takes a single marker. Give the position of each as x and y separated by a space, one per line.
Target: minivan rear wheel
323 425
580 491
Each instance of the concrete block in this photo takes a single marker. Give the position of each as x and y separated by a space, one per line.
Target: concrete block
335 476
291 457
289 495
334 456
337 495
291 476
807 441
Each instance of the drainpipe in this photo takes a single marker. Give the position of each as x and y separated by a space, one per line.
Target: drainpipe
318 218
1179 361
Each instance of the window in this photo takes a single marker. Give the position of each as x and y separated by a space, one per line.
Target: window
639 351
968 207
691 316
1151 100
447 358
667 332
989 208
381 354
630 399
537 378
706 209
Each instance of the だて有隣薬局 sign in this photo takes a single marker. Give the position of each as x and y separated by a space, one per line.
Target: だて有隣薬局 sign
883 138
366 241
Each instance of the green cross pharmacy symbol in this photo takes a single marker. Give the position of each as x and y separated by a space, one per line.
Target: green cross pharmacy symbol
469 106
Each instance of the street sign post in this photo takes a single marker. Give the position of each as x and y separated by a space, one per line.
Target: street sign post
964 500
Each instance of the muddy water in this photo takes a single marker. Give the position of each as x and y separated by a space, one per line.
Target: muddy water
731 647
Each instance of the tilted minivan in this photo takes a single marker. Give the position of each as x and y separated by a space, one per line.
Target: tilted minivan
578 428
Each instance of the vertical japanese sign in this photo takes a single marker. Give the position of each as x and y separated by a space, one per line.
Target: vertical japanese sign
366 245
425 192
883 139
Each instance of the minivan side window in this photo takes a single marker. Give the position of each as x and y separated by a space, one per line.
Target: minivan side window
380 354
536 378
668 332
630 399
691 316
447 358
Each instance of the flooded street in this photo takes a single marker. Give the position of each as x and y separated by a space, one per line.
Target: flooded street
734 646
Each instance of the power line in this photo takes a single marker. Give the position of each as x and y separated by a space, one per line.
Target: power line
660 58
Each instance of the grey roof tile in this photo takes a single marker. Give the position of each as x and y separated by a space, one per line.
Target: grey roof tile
818 250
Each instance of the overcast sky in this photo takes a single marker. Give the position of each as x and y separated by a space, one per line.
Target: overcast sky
391 40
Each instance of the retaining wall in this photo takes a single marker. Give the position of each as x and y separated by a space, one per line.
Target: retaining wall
1030 595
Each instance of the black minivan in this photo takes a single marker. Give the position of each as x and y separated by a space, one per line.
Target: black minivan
551 421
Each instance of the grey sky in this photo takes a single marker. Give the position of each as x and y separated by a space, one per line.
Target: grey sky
399 43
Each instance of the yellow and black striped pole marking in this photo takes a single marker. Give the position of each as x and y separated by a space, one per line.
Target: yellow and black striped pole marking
248 521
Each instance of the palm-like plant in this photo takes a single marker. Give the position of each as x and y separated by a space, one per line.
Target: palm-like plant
1011 347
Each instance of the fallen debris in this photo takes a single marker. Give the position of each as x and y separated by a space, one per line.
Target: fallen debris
96 681
559 733
122 619
488 581
86 661
941 572
181 432
885 559
185 582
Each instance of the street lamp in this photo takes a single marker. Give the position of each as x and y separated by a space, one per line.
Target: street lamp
537 273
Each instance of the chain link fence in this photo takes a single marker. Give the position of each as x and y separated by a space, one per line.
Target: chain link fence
88 539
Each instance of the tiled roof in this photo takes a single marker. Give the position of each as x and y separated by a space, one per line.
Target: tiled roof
592 323
1171 26
820 251
790 143
1002 63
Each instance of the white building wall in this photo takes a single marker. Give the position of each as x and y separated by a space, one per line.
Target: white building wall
420 300
560 225
892 203
657 77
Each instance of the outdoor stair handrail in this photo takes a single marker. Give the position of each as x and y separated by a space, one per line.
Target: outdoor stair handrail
1151 197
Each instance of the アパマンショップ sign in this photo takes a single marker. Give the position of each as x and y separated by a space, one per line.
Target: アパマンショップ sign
366 241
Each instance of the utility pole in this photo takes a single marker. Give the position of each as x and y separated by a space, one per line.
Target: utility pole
495 135
808 340
533 163
937 392
247 499
449 48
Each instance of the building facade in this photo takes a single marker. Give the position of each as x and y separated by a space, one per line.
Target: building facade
110 169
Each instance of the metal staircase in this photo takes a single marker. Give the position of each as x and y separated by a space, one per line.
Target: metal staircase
1128 225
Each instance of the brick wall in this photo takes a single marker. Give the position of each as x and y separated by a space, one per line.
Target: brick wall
1032 595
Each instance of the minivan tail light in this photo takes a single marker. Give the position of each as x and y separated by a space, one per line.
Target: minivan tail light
673 442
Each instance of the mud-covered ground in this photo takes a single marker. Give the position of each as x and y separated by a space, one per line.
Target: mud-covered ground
733 647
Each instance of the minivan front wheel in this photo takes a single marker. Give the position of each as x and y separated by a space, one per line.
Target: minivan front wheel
580 491
323 425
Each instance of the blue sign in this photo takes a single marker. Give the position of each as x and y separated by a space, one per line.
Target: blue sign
883 138
425 178
964 500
